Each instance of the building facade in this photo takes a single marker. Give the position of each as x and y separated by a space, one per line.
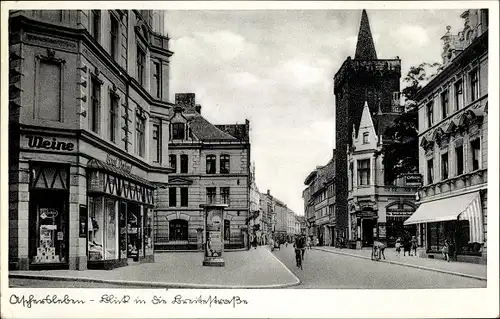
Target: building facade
377 209
268 216
256 213
88 101
211 165
364 78
319 204
453 137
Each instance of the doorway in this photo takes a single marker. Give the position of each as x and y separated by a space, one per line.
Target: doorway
367 226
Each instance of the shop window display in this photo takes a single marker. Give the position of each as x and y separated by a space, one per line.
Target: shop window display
123 230
49 243
134 230
148 232
102 229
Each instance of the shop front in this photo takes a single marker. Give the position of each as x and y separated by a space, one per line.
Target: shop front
364 227
456 220
120 215
396 215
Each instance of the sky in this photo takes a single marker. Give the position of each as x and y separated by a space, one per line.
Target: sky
276 68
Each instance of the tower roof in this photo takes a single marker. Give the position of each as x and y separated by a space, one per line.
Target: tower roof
365 48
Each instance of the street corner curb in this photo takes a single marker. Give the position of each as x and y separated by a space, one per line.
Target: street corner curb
407 265
147 284
298 282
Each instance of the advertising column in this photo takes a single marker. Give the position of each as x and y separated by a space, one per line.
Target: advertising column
214 228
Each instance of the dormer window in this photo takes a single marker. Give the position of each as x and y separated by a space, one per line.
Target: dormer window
365 138
178 131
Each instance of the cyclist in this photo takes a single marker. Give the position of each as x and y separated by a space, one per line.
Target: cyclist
300 248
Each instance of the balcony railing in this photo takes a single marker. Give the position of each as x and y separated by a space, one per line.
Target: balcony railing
454 183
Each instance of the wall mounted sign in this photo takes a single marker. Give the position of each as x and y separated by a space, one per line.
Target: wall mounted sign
118 163
413 180
54 143
48 213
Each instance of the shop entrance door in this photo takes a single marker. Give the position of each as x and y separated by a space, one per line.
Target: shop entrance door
367 226
134 241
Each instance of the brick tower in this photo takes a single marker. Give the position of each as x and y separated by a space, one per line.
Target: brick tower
364 78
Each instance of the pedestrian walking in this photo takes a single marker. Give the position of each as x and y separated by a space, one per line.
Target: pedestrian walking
308 242
398 246
414 245
406 246
271 244
446 250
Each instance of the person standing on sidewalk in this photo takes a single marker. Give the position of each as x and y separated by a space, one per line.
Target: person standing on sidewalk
446 250
414 245
398 246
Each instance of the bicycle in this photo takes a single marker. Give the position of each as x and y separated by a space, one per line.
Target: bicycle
298 258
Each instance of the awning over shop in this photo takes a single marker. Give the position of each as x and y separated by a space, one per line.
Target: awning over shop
100 165
463 207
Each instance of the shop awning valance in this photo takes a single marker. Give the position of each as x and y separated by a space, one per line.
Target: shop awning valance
462 207
100 165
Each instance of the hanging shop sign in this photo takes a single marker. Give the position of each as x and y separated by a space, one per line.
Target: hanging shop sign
118 163
413 180
49 143
48 213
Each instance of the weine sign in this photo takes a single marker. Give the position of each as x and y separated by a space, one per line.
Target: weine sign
56 144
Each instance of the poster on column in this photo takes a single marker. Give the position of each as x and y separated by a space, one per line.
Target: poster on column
214 232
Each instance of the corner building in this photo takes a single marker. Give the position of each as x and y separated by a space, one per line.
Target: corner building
365 78
211 165
88 109
453 152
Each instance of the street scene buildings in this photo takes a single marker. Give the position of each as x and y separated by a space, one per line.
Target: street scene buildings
112 167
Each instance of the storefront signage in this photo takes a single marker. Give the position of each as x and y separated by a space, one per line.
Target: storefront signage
382 231
118 163
48 213
413 180
36 141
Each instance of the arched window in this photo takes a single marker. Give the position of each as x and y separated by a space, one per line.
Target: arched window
178 229
224 164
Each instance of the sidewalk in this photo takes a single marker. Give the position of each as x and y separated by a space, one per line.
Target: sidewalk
255 268
455 268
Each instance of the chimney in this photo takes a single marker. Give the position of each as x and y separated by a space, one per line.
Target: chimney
197 108
186 100
268 192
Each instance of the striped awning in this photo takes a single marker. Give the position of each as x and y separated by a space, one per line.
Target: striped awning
462 207
473 213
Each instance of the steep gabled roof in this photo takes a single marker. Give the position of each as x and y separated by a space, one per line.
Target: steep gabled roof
206 131
365 48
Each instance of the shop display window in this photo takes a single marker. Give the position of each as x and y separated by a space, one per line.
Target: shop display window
134 230
148 231
123 230
49 227
102 229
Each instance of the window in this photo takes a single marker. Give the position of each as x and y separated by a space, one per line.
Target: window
365 138
157 79
444 104
211 193
474 85
459 98
178 131
430 113
430 171
444 166
210 164
364 172
351 170
184 163
156 143
172 197
95 107
475 149
224 164
459 155
140 143
95 23
178 230
141 60
184 197
113 45
224 191
172 160
113 116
